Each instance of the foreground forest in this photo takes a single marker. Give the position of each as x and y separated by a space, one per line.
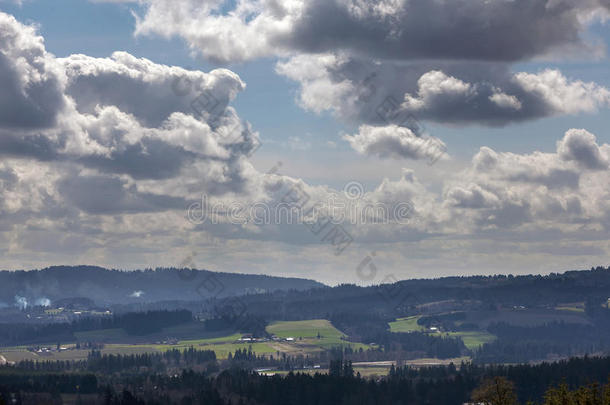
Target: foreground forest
578 381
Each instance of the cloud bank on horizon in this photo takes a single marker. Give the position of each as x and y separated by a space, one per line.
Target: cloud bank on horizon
102 156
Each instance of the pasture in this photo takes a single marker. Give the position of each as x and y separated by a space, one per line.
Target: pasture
305 334
310 336
408 324
474 339
304 329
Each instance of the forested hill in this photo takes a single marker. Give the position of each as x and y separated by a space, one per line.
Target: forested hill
275 295
443 294
105 286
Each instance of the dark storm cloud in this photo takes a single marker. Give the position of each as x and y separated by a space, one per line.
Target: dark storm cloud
149 159
484 30
39 146
32 105
446 92
31 94
439 29
581 147
109 195
443 61
8 178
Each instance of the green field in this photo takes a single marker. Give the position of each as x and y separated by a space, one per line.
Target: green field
571 308
306 332
220 345
210 341
408 324
17 355
372 371
304 329
222 350
364 371
474 339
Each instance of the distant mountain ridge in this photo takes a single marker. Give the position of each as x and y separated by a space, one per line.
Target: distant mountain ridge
105 286
430 295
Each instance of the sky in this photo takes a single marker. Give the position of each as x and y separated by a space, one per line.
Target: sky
347 141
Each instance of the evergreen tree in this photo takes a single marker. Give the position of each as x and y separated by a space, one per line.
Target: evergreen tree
495 391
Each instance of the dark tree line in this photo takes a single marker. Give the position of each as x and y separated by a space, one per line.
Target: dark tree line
47 382
136 323
522 344
227 319
404 386
159 362
105 364
573 379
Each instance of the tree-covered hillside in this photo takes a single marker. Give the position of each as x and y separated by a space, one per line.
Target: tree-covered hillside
115 287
